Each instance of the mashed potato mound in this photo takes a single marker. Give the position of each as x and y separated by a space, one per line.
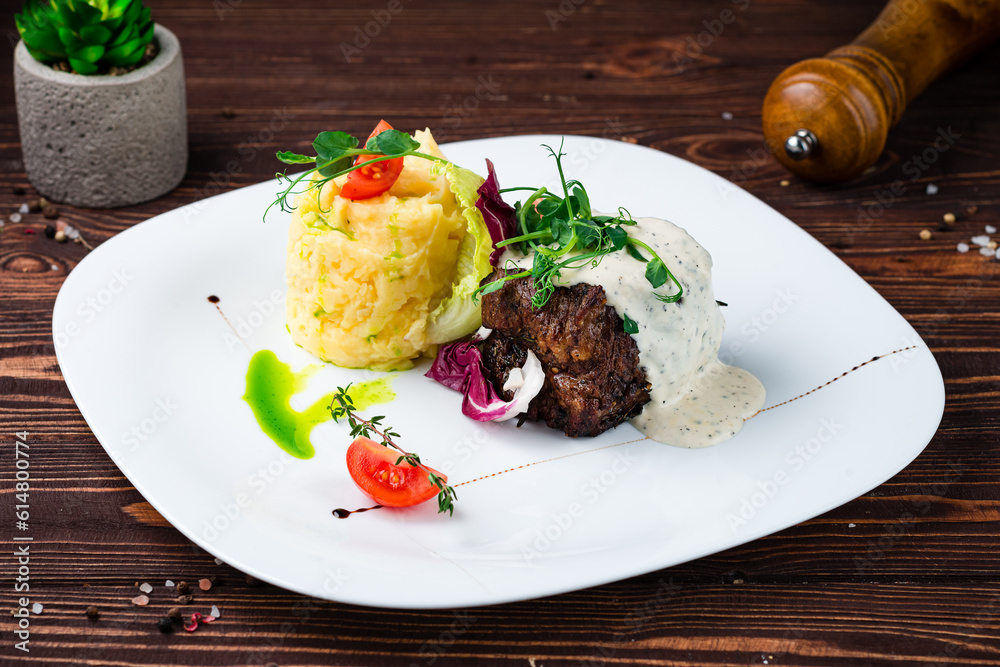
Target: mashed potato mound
363 277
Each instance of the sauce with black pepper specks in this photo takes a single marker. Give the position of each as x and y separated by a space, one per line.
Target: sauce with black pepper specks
695 399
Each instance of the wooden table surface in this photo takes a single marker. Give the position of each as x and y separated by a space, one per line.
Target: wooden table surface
906 574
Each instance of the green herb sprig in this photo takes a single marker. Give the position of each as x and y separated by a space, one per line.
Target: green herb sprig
335 155
342 406
563 233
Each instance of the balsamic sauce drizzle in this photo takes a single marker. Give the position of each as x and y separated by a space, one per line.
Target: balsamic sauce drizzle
828 383
341 513
214 300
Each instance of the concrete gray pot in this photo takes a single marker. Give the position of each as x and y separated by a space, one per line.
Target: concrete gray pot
104 141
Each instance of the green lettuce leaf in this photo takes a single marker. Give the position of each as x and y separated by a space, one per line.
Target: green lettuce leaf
459 315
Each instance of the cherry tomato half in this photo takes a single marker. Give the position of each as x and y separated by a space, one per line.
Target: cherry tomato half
374 179
373 468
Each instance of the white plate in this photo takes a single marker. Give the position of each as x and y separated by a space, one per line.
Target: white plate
159 377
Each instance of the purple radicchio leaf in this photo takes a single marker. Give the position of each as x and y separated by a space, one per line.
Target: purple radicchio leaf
500 217
459 366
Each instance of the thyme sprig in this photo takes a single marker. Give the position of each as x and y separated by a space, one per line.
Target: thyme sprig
335 156
563 233
342 406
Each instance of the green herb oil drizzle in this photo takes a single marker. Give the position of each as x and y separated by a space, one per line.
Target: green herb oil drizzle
270 387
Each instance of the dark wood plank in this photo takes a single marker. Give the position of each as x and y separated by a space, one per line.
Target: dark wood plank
907 574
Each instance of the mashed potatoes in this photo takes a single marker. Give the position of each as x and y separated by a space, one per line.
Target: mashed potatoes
375 283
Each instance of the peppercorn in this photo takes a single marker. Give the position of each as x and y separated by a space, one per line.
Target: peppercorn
185 599
60 236
51 212
174 614
165 625
50 232
949 218
92 612
925 234
183 588
35 205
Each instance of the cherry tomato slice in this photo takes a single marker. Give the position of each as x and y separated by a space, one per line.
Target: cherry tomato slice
374 179
373 468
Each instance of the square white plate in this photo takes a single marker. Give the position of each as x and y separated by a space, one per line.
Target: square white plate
159 376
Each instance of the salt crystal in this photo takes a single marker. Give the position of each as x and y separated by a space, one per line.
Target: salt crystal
37 608
168 583
998 253
982 239
851 525
15 218
24 209
140 600
215 611
146 588
72 232
990 229
218 561
932 189
963 247
53 267
988 252
726 115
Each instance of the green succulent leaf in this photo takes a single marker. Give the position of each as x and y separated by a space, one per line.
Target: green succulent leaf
70 40
92 34
90 54
95 34
41 56
85 12
67 17
82 66
125 54
128 33
118 8
112 24
46 44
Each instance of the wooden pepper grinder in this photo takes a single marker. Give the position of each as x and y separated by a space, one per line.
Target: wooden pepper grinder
826 119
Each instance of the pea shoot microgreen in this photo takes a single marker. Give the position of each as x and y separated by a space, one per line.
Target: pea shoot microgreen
342 406
563 233
335 155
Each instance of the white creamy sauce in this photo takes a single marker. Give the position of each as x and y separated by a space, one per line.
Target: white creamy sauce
695 399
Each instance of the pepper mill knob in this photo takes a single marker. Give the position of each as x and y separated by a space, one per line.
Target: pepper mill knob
827 119
800 145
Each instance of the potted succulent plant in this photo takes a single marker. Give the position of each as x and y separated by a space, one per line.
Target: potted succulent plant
100 102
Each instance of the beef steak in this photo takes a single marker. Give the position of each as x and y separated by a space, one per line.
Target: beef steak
593 379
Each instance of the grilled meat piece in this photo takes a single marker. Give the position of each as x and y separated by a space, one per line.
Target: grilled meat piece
593 380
